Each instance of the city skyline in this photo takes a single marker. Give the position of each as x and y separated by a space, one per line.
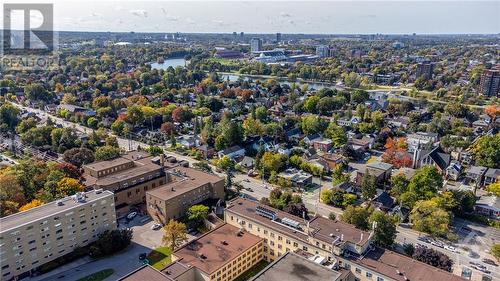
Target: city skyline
328 17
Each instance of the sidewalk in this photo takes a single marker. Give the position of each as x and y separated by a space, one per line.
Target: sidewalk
69 266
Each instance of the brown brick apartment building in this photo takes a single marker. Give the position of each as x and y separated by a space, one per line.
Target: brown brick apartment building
185 187
128 177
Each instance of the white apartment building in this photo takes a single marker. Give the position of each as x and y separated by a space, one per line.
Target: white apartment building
39 235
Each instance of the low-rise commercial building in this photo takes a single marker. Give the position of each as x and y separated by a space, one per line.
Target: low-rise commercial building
283 232
222 254
185 187
385 265
293 267
128 177
39 235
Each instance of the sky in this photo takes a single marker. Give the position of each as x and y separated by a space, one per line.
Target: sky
326 17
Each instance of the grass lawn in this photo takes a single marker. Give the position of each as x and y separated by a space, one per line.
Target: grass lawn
98 276
160 257
252 271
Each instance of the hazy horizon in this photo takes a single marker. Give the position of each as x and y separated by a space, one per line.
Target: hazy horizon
295 17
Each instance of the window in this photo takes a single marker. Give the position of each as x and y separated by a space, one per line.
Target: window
380 279
368 274
358 270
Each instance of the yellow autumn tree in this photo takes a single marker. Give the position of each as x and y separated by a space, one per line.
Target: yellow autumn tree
68 186
34 203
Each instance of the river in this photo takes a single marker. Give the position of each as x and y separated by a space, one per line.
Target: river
173 62
312 85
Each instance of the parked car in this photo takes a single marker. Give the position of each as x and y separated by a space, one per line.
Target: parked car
156 226
437 244
249 189
131 215
450 248
490 262
424 239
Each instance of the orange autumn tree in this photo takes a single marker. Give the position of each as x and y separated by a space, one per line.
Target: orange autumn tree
492 110
396 153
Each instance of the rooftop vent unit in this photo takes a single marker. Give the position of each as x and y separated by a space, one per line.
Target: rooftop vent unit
223 242
79 197
98 191
290 222
202 256
265 212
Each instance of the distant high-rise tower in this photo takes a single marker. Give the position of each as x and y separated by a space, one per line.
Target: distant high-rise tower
235 35
278 37
242 34
424 69
323 51
255 45
490 83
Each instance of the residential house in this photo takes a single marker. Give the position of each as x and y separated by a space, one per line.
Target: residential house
488 206
247 163
382 172
475 175
332 159
206 151
383 201
454 170
322 144
232 152
491 176
298 178
402 122
74 110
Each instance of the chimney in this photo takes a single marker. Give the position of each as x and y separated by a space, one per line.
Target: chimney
360 240
342 237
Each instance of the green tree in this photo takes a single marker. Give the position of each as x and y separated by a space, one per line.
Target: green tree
226 164
426 182
368 186
427 217
326 196
155 150
399 184
487 151
197 213
495 251
357 216
79 156
385 228
9 118
175 234
107 153
311 104
337 134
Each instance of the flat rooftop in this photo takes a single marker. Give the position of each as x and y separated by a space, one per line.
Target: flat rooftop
102 165
329 231
388 263
49 209
292 267
185 180
216 248
247 208
146 273
320 228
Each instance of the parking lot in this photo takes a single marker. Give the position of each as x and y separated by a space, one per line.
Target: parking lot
144 235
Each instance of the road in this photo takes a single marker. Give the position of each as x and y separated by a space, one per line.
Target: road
479 241
405 234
